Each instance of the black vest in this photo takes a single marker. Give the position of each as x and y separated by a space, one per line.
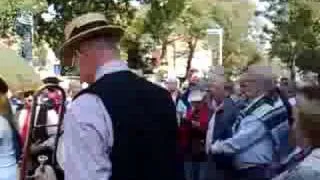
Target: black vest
144 127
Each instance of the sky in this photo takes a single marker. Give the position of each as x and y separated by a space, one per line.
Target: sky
50 15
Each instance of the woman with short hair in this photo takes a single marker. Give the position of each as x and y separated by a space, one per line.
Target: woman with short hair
9 141
307 125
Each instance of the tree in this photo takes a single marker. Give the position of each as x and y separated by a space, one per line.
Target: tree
233 17
152 26
155 21
119 13
294 37
238 51
9 10
161 20
193 25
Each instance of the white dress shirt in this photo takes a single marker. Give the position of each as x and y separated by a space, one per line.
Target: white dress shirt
89 134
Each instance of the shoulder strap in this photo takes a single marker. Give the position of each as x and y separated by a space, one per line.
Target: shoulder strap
274 117
84 91
272 120
251 110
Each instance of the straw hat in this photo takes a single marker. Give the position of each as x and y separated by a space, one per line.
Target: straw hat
51 80
83 27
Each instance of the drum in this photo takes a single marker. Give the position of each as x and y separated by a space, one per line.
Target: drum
60 152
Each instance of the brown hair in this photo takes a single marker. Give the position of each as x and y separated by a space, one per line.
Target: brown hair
3 86
5 108
309 114
229 87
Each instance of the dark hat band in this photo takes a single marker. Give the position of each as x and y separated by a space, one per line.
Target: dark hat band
87 27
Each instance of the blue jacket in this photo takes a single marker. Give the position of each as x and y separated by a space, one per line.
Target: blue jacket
8 162
251 142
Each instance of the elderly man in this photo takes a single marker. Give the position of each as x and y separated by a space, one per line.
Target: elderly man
121 126
220 128
252 142
172 85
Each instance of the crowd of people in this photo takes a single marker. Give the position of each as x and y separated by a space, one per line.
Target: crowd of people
224 134
17 110
122 126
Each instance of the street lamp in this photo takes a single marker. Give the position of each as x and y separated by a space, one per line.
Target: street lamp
219 32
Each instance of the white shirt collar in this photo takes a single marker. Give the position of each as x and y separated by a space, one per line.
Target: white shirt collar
111 67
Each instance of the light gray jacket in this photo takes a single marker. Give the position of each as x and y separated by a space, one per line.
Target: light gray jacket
308 169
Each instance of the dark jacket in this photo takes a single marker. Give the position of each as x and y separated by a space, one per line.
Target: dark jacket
144 126
224 121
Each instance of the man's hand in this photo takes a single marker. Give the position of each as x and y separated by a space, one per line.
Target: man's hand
216 148
219 147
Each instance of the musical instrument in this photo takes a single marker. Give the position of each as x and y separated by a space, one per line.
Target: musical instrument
44 150
60 153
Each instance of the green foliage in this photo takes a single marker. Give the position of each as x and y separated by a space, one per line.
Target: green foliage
238 50
153 24
195 19
151 20
161 19
119 13
9 10
193 24
295 37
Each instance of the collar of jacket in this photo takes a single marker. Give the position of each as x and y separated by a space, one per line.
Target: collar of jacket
257 103
111 67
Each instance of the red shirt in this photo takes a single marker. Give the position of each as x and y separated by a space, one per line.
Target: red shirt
25 127
187 131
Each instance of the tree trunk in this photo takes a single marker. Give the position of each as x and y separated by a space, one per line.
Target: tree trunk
293 70
192 44
174 55
164 49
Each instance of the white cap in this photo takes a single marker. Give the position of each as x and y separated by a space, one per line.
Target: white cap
196 96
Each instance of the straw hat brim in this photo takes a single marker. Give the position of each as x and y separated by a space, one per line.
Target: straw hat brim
67 49
52 80
3 86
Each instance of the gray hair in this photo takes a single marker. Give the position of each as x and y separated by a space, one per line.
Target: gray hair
263 76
